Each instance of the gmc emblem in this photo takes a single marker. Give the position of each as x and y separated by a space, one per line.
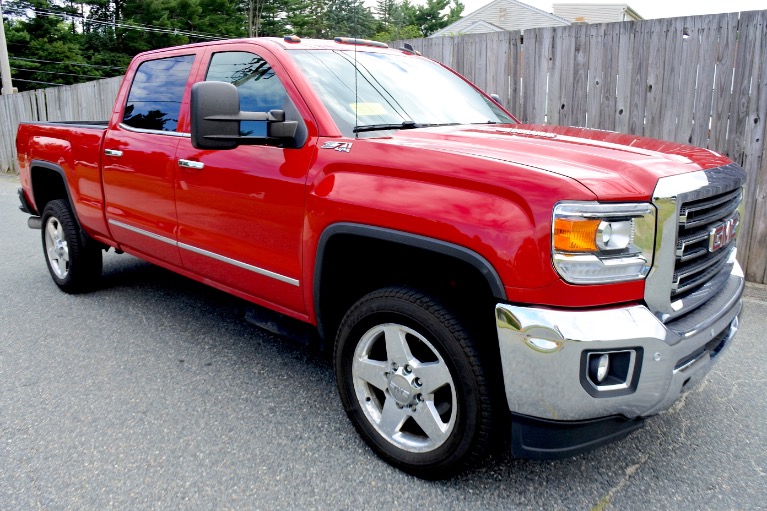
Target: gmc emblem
722 234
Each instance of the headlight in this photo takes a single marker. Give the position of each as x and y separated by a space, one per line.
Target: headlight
594 243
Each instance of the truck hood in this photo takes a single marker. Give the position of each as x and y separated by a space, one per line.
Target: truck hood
611 165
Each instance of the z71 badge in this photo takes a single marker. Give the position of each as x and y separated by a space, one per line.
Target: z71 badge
342 147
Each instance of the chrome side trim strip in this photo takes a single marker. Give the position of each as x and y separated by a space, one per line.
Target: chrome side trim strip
212 255
156 132
240 264
143 232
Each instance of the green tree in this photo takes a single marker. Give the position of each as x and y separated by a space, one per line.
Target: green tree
349 18
222 18
145 25
42 48
99 44
70 41
395 21
433 16
387 11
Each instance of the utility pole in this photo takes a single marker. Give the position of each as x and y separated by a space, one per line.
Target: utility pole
5 67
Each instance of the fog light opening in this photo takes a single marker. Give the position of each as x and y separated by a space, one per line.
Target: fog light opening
610 370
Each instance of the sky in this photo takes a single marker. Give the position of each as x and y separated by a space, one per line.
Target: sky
650 9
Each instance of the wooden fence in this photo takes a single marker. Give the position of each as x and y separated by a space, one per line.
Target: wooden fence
91 101
698 80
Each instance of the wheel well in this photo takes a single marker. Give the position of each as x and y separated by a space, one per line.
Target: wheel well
354 265
47 185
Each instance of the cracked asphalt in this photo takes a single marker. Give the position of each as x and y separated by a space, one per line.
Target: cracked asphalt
152 393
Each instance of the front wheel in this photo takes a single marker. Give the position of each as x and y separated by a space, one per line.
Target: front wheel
74 264
412 383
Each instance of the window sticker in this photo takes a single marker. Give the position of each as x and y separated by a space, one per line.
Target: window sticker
369 108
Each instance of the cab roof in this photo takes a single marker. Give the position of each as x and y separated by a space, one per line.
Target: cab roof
295 43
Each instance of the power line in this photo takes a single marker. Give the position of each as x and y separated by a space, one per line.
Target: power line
149 27
36 81
64 62
145 28
53 72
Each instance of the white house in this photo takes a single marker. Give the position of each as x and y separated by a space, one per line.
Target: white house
500 15
595 13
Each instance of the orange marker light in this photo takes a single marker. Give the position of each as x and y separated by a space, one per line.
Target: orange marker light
575 235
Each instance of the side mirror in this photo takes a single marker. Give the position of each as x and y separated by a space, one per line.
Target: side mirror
496 98
216 117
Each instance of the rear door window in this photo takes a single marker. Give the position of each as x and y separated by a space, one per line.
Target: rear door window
155 96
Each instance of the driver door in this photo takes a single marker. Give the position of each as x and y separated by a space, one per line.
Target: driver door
240 211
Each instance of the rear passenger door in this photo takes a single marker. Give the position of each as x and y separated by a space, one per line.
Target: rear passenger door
241 210
138 158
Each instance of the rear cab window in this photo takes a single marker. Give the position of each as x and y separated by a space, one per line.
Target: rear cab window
155 97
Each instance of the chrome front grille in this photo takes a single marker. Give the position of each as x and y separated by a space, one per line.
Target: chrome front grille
698 214
710 209
698 255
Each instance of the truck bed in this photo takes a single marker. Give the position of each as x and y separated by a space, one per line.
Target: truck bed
71 150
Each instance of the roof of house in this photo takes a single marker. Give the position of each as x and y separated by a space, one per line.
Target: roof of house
481 27
596 13
502 15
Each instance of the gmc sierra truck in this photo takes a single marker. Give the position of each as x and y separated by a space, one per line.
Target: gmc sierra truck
474 275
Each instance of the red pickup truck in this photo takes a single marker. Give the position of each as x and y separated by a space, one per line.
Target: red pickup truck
475 275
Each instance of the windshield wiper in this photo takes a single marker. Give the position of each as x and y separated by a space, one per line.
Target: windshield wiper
435 125
406 125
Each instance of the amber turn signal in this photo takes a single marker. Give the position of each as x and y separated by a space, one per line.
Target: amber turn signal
575 235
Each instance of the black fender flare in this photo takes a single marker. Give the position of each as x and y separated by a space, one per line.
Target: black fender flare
404 238
55 168
59 170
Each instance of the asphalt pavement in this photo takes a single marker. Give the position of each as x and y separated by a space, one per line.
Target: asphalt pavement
153 393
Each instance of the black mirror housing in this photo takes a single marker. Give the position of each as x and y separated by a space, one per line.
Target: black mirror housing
214 99
216 116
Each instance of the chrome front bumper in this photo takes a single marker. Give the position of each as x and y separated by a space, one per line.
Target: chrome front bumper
544 367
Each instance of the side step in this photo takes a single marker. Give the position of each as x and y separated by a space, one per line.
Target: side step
296 331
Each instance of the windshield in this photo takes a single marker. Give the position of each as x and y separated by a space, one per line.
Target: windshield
393 89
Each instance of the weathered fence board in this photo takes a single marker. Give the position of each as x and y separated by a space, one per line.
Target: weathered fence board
553 96
596 81
752 117
623 89
639 78
708 35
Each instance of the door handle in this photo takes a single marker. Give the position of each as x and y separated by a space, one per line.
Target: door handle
113 152
189 164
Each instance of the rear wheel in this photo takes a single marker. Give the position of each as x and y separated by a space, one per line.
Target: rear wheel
412 383
75 265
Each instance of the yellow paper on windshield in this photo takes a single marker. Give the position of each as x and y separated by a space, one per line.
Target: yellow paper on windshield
369 108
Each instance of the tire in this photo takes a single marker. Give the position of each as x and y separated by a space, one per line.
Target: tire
74 264
413 384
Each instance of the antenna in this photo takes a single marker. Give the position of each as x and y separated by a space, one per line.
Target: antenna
356 71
